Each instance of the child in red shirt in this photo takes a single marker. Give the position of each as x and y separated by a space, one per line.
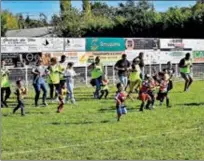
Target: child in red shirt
120 98
144 95
163 90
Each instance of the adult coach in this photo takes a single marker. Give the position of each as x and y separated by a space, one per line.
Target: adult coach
5 84
185 66
140 58
39 82
123 65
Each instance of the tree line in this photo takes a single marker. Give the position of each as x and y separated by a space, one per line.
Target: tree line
129 19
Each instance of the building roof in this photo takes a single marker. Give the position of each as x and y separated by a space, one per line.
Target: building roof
31 32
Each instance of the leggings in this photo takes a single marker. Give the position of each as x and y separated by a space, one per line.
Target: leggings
6 90
57 90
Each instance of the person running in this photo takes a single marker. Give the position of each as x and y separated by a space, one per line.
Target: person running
141 63
20 93
39 72
163 90
120 101
143 93
185 66
5 85
122 66
105 89
69 74
54 75
62 95
170 71
134 78
96 74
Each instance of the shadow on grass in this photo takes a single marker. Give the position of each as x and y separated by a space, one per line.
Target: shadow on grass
113 108
80 123
192 104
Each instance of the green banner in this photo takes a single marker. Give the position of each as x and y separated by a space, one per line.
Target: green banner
198 56
105 44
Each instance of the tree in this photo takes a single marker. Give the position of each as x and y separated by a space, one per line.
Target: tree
86 7
10 19
3 25
65 6
21 21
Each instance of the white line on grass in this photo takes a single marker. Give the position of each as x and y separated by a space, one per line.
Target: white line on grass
99 142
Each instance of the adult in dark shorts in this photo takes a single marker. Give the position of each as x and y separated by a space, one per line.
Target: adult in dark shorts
185 66
141 63
123 66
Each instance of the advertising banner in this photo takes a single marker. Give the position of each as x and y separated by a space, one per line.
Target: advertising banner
105 44
11 45
198 56
107 58
174 44
34 44
16 59
75 44
141 43
195 44
52 44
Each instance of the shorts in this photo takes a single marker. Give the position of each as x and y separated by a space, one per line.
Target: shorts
161 96
144 97
121 109
186 75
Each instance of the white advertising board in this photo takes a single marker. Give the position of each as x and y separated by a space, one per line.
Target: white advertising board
75 44
12 44
52 44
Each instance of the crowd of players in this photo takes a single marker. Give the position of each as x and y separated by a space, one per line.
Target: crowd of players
60 78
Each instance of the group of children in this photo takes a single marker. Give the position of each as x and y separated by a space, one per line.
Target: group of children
151 88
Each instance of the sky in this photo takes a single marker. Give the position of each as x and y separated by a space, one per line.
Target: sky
49 7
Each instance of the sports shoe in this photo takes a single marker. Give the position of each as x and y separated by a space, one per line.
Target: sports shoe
44 104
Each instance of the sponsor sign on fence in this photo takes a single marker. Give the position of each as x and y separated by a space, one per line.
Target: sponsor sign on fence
75 44
141 43
9 45
52 44
105 44
108 58
198 56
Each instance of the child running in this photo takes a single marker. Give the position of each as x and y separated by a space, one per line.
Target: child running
105 89
62 95
163 90
20 93
143 94
120 101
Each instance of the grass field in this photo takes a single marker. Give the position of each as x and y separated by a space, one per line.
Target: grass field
90 130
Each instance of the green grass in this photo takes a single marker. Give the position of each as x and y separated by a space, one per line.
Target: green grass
90 130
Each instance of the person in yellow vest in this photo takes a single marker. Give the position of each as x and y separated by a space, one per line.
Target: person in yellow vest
96 74
54 76
185 66
5 85
134 78
62 67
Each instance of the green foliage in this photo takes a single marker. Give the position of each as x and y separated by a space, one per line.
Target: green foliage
128 19
90 131
3 25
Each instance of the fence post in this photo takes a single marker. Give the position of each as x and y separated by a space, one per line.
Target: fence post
113 75
106 70
160 67
176 70
86 75
26 76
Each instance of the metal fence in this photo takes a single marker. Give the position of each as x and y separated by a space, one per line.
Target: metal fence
85 74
